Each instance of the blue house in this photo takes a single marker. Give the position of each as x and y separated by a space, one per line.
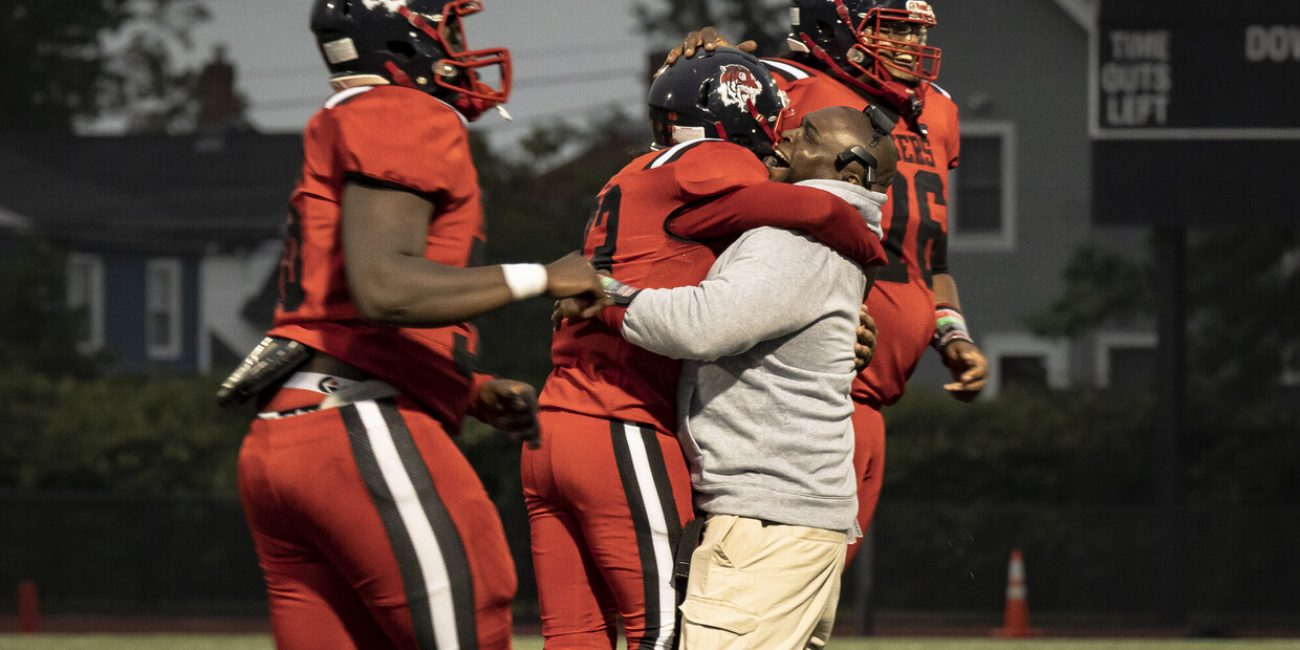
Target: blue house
168 238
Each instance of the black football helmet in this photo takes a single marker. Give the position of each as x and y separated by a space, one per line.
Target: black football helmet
416 43
723 94
878 46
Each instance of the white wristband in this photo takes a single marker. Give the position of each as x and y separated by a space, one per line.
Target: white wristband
525 280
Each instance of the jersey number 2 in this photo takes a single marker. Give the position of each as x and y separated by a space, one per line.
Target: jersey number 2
928 184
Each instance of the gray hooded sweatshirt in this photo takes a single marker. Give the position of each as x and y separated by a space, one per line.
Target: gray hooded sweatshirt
763 402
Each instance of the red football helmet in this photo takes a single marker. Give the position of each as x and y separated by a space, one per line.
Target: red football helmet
879 46
893 37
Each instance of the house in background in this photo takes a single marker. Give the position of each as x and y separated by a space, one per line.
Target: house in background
167 237
1021 199
172 239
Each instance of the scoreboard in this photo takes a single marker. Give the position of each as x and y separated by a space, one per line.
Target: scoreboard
1191 102
1196 69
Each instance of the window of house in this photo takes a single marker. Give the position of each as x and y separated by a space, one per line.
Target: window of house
1017 359
85 295
1126 360
163 309
982 198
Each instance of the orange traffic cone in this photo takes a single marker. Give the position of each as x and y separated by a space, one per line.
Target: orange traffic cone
1015 624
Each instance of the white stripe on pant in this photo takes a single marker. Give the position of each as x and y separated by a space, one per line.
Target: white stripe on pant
659 536
428 553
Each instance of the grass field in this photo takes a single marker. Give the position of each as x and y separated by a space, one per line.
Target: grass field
261 642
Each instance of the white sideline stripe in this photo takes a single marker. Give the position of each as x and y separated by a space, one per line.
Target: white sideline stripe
669 153
787 68
427 552
645 481
343 95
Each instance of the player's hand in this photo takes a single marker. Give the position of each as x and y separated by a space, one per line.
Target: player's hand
864 348
570 308
969 369
510 406
573 277
557 316
707 39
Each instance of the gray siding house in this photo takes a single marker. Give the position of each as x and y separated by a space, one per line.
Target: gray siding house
1020 203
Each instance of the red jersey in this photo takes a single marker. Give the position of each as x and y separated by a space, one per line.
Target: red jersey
400 138
915 223
648 229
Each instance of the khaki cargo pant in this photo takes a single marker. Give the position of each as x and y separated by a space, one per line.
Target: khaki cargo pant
770 587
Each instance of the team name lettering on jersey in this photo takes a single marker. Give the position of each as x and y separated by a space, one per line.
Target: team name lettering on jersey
914 149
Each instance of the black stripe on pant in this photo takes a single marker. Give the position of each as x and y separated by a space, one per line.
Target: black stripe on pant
444 530
651 580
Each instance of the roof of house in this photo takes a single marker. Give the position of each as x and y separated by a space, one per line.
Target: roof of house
184 191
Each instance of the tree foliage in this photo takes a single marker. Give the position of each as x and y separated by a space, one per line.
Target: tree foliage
1079 447
1098 285
761 20
67 61
537 203
38 332
1243 332
1029 445
66 423
118 434
1243 351
1243 328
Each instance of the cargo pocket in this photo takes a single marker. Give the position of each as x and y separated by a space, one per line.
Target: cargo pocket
715 624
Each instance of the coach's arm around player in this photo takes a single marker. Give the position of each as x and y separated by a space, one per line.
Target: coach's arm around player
760 296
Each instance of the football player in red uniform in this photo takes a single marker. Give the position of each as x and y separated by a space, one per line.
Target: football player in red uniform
371 528
608 490
854 53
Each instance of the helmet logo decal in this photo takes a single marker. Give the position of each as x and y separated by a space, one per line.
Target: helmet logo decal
390 5
737 86
340 51
920 10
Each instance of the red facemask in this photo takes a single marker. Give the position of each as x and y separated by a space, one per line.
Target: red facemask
459 71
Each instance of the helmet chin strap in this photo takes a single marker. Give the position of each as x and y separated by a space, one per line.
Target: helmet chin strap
762 123
400 78
721 130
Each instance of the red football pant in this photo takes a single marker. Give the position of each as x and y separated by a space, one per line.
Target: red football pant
373 531
606 502
868 466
